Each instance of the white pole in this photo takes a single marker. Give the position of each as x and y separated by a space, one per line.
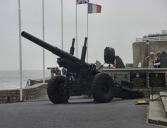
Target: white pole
87 33
62 24
20 50
76 29
43 34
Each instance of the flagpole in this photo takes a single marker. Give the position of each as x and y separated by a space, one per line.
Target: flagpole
43 35
20 50
76 29
62 27
87 32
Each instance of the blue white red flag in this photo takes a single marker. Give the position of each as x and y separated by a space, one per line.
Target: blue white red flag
94 8
82 1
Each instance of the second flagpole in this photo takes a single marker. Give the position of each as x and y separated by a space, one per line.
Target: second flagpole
43 35
87 32
62 27
76 28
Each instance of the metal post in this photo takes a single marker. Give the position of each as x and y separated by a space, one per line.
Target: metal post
62 24
76 29
20 50
147 43
43 34
87 33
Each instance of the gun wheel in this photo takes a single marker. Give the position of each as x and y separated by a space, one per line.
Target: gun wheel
102 88
56 91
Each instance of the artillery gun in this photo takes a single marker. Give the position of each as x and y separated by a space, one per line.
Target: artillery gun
82 78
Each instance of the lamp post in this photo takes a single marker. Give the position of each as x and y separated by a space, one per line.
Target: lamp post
147 43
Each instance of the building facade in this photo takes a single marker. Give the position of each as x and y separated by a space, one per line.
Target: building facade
143 46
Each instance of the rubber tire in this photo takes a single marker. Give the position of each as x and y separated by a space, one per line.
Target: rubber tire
56 91
102 88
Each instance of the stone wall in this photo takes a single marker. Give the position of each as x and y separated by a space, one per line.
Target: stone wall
141 79
29 93
154 77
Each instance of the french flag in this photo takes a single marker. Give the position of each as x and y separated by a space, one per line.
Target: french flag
82 1
94 8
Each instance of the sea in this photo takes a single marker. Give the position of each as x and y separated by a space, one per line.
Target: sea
11 79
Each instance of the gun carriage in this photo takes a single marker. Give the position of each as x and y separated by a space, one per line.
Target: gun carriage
82 78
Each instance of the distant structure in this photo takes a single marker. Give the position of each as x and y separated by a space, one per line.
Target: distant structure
151 43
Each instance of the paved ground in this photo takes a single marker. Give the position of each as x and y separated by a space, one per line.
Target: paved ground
78 114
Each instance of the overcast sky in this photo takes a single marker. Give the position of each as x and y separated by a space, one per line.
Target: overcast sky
120 22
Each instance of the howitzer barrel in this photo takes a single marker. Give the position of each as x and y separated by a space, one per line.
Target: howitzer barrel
51 48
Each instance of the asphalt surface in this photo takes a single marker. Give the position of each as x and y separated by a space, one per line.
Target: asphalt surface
79 113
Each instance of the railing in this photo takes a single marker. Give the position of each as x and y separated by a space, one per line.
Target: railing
146 74
31 82
28 83
138 69
158 38
148 80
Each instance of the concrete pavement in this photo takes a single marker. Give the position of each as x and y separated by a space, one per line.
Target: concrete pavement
157 109
79 113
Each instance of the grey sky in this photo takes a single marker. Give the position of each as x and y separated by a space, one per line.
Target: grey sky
120 22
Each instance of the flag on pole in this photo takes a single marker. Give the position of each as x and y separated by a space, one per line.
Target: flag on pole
94 8
82 1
